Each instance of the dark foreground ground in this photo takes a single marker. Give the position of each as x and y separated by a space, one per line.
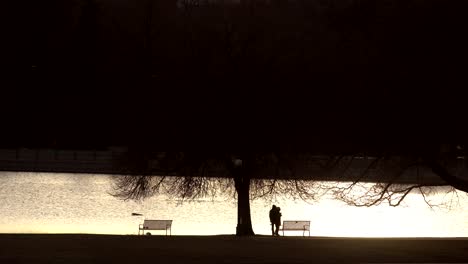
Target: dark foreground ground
227 249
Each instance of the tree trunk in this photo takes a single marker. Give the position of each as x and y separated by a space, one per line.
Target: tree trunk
432 158
444 174
244 222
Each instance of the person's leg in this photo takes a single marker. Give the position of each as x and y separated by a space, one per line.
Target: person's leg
277 229
272 229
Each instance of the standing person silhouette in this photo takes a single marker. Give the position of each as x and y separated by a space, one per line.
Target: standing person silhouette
275 220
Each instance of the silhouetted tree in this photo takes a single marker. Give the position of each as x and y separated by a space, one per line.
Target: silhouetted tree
87 39
363 179
372 180
329 43
196 174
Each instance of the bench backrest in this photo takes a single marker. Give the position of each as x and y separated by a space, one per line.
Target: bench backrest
157 224
296 225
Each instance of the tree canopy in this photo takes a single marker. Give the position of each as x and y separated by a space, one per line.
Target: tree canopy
220 81
296 175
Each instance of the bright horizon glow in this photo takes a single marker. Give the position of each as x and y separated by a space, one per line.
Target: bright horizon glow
73 203
413 218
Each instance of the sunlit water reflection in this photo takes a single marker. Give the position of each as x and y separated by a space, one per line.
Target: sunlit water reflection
80 203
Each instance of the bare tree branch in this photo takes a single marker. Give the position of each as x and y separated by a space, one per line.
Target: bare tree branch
442 172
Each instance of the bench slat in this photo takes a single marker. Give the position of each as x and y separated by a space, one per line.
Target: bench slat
155 225
296 225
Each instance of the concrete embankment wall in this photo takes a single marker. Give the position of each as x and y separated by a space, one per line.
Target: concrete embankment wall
112 160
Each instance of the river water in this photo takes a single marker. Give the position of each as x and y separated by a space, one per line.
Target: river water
81 203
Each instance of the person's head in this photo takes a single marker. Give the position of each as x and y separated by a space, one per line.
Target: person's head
278 208
274 207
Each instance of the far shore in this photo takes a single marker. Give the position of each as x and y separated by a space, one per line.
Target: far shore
88 248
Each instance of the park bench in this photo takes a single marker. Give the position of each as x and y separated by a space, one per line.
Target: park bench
293 225
155 225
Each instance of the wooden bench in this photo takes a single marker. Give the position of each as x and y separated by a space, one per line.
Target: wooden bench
155 225
293 225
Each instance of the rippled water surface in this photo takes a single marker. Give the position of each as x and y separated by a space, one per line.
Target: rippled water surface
81 203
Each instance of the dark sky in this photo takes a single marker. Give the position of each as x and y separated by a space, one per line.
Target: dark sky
356 75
